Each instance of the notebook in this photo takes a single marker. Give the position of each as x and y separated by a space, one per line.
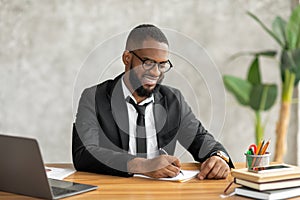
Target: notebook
22 171
268 194
186 175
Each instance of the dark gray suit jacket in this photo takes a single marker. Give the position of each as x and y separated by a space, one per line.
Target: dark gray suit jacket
101 131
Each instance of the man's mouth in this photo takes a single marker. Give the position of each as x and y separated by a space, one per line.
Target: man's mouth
149 80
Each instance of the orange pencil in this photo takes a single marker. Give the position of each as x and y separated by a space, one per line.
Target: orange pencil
258 152
264 149
260 145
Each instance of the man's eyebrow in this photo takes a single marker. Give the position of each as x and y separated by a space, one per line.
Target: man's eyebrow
146 58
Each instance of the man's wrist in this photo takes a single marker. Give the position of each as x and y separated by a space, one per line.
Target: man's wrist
136 165
222 155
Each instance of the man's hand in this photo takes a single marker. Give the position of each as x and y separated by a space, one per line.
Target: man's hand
214 168
160 167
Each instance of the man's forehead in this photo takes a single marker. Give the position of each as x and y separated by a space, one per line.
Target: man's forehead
150 44
153 44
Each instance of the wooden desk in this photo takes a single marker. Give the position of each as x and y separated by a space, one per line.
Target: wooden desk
111 187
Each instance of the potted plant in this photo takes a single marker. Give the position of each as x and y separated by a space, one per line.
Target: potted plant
251 92
287 35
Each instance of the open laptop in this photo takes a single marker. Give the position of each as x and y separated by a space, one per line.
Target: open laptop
22 171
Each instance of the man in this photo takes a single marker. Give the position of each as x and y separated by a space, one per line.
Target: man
131 124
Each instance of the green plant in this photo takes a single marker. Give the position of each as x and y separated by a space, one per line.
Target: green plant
252 92
287 35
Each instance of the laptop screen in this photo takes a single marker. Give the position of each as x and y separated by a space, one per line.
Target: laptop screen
22 171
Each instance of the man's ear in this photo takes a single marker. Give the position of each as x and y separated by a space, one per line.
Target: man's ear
126 57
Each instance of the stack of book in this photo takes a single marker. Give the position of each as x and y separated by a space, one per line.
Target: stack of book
281 183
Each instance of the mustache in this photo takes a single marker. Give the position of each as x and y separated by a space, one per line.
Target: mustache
138 86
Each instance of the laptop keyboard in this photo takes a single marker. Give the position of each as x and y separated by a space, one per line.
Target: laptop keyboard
60 191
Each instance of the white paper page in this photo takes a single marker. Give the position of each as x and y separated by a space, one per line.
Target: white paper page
187 175
59 173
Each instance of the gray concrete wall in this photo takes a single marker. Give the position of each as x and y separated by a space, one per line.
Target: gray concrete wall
44 46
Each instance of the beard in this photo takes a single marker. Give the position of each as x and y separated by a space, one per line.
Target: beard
138 86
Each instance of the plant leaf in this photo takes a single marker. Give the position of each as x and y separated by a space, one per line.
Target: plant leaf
278 27
293 29
239 88
262 97
290 60
254 74
266 53
266 29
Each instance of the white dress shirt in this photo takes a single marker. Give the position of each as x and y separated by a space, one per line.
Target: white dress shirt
151 140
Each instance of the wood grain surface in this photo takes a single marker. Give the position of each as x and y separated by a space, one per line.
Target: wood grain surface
112 187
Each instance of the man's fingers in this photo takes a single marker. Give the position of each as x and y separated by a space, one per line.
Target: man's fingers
206 167
173 167
214 168
177 163
216 172
225 173
173 160
172 170
169 171
162 166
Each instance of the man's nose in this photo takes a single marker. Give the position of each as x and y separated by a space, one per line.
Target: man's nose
155 70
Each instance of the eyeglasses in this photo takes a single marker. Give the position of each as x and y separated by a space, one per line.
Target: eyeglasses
148 64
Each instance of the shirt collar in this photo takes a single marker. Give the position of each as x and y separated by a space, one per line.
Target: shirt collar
127 94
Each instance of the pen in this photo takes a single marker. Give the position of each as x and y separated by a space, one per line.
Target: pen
162 151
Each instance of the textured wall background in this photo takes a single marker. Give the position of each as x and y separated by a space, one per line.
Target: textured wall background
45 43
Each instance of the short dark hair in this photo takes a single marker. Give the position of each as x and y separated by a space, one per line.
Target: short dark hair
142 32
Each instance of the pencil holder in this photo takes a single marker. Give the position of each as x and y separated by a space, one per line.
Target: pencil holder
257 160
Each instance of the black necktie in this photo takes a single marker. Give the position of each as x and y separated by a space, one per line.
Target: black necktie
141 144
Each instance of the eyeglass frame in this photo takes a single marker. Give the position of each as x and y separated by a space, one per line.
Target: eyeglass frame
155 63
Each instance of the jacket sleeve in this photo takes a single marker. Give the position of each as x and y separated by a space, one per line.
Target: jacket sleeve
194 137
87 154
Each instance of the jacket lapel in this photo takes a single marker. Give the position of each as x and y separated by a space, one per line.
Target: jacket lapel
167 118
160 117
119 111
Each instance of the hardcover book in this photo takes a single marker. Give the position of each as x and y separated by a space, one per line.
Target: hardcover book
268 194
269 185
268 176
